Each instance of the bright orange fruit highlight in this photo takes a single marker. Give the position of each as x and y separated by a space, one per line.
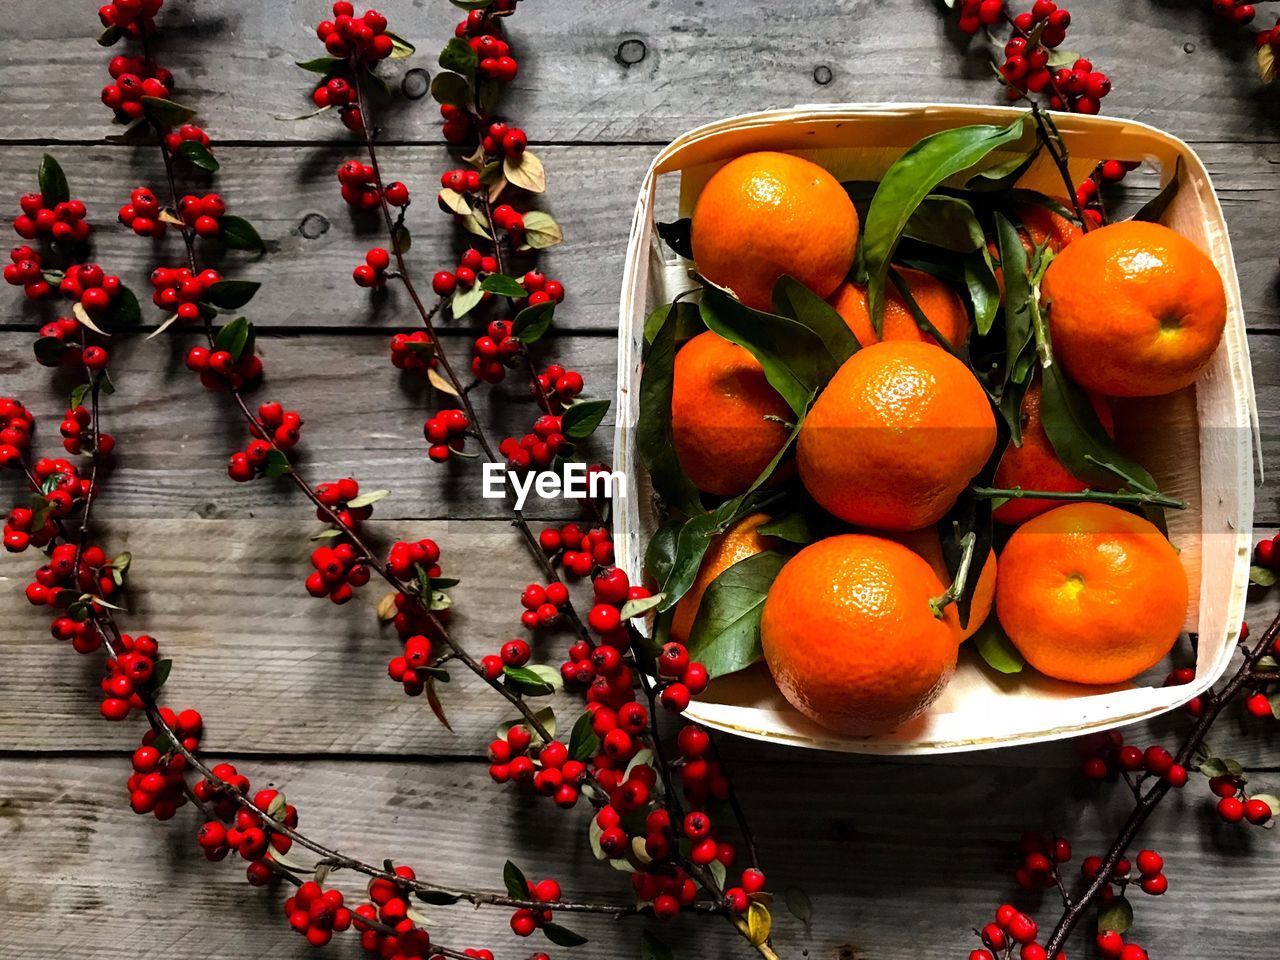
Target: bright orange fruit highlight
737 543
940 304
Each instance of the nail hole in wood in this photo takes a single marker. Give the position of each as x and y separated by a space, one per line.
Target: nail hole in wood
313 226
631 52
416 83
822 75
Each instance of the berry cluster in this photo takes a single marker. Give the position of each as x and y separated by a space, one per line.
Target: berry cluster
337 92
1040 858
1078 88
339 570
446 432
410 669
64 333
137 17
60 577
128 672
83 635
1088 194
543 605
373 272
1233 804
364 38
536 449
18 532
77 426
471 267
494 352
26 270
555 386
359 187
553 773
338 497
285 430
681 678
1266 553
1107 754
157 784
16 425
133 78
186 133
1010 928
62 220
317 913
405 556
580 552
525 921
415 352
203 214
503 140
245 830
390 906
1234 11
87 284
60 485
541 290
180 290
142 213
1112 946
219 368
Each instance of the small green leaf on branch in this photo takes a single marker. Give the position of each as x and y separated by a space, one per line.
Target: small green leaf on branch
165 113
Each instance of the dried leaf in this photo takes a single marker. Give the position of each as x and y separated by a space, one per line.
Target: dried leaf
82 315
433 699
440 383
452 200
387 607
527 172
759 924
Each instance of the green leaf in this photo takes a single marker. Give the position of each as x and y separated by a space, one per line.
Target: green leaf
277 465
532 323
321 65
582 419
1002 176
1155 208
651 948
233 337
368 500
797 363
400 47
1117 916
678 235
904 185
947 222
503 286
438 898
562 936
583 741
984 292
996 649
514 878
53 182
1261 576
124 311
792 527
198 154
490 95
49 350
1018 319
239 234
452 89
799 904
110 36
160 673
165 113
527 681
230 294
635 608
540 231
458 56
466 300
78 394
654 437
726 634
793 300
1078 438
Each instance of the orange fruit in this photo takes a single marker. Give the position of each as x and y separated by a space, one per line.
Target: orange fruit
895 436
1135 310
768 214
719 401
937 301
1042 225
927 543
1090 593
737 543
1035 465
850 638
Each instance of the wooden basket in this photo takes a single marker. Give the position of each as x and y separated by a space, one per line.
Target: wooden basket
1197 443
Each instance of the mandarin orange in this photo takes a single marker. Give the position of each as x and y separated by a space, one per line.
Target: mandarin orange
895 436
928 544
1135 310
1090 593
767 214
940 304
740 541
850 637
719 401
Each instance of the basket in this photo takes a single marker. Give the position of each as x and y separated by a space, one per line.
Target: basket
1197 443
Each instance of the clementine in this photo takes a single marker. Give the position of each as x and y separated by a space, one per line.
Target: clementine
1090 593
737 543
850 638
719 401
1035 465
767 214
928 544
937 301
895 436
1135 310
1043 226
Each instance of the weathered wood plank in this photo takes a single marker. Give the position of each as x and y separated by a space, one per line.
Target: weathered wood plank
899 860
291 195
276 671
672 64
363 419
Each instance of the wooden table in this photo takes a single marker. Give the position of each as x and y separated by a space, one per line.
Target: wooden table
900 858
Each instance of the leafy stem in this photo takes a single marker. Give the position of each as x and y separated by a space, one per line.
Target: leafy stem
1121 498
